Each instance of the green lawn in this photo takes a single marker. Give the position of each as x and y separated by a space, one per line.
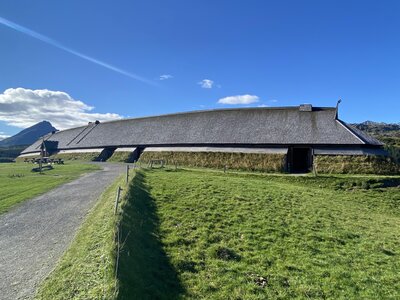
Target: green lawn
18 183
209 235
200 234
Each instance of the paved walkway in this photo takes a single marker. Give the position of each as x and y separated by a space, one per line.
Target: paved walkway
34 235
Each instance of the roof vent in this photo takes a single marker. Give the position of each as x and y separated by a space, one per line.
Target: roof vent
305 107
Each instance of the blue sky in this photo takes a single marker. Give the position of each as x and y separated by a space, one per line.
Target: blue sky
109 55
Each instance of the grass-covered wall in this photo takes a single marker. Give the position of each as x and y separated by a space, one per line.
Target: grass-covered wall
238 161
122 156
85 156
355 164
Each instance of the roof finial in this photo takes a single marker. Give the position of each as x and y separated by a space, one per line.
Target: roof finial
337 108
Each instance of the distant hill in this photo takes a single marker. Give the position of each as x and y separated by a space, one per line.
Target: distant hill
28 135
8 154
386 133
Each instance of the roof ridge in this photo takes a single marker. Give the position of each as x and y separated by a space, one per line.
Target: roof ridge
315 108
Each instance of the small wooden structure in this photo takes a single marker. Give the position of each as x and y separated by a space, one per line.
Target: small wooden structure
160 162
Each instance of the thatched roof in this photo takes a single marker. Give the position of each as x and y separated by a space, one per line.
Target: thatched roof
224 127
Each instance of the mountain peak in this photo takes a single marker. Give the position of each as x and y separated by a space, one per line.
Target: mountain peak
29 135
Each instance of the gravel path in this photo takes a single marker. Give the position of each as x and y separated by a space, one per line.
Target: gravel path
34 235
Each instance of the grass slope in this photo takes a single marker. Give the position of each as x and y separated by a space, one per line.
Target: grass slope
87 269
199 234
18 183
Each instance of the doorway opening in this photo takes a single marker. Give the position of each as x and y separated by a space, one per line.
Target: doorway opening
300 160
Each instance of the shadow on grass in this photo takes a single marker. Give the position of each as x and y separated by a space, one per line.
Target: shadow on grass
144 268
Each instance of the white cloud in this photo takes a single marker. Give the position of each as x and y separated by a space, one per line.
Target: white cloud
165 76
206 83
239 99
263 105
22 108
3 135
273 101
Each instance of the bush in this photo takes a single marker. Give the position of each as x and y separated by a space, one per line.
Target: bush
394 152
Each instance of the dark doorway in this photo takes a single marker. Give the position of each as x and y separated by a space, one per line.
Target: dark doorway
105 154
300 160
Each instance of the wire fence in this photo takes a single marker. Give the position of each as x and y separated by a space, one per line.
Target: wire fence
118 234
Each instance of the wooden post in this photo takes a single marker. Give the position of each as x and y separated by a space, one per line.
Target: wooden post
117 200
225 169
176 166
41 155
127 173
313 163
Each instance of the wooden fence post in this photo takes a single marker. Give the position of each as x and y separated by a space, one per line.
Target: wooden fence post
127 173
314 167
117 199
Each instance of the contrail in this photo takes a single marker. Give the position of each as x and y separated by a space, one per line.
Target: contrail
54 43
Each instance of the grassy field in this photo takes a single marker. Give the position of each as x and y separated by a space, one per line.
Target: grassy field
18 183
200 234
209 235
